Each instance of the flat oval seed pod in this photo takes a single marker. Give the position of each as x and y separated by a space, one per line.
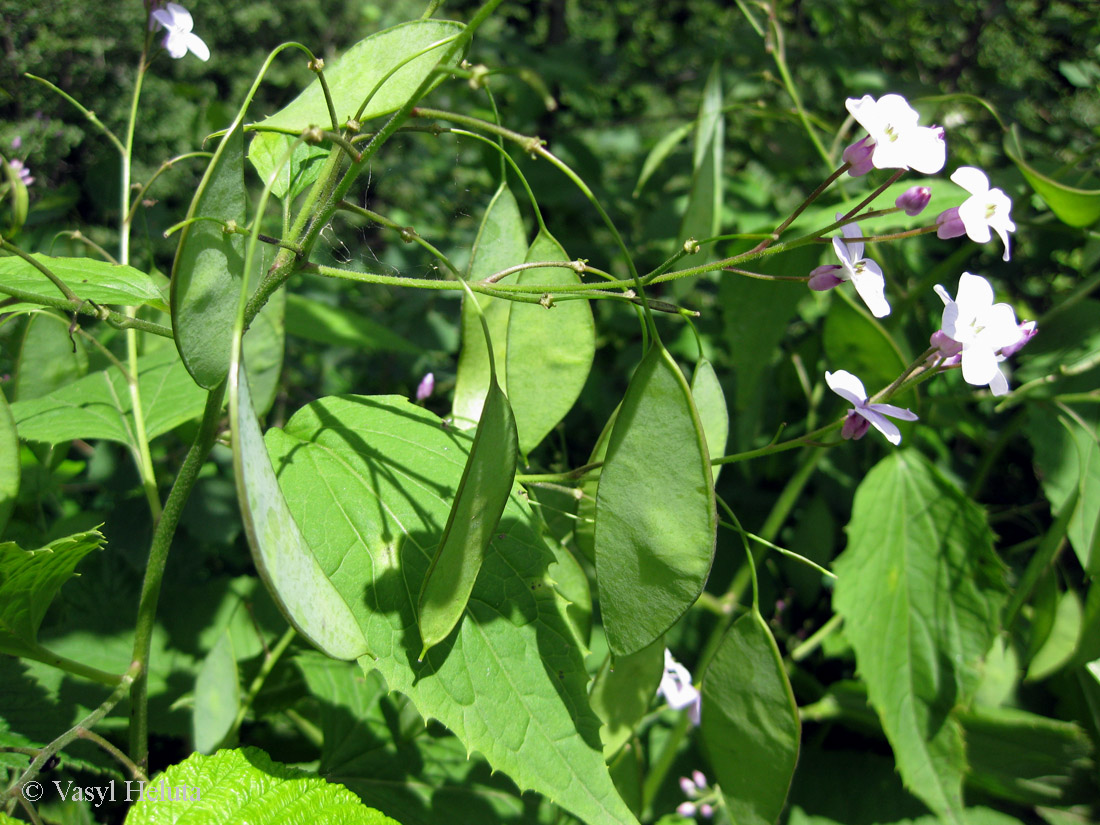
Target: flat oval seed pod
486 483
655 508
750 724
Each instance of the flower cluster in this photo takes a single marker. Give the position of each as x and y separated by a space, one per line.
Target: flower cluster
699 796
975 333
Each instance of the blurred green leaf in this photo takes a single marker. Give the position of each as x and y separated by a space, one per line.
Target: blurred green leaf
1073 206
918 587
710 401
859 343
49 357
623 691
1058 648
217 695
750 725
655 508
661 150
703 217
10 470
316 321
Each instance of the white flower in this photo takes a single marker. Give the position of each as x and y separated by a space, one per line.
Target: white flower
678 690
179 40
850 388
865 274
982 329
899 142
985 209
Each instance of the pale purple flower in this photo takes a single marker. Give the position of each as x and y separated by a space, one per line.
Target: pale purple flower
180 40
949 224
21 171
686 809
982 329
677 689
899 142
913 200
865 274
850 388
16 142
425 388
706 811
985 209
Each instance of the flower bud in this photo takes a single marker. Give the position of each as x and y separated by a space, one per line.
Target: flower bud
426 386
913 200
1027 332
824 277
688 787
699 778
686 809
706 811
855 426
949 224
859 156
946 346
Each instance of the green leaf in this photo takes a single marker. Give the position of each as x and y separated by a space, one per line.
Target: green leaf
1060 645
655 508
351 78
585 532
1028 759
303 167
263 350
245 785
1073 206
316 321
209 266
98 405
549 351
49 357
291 571
703 218
479 502
661 150
501 242
750 725
710 401
90 279
217 695
919 590
10 469
371 481
859 342
29 580
621 694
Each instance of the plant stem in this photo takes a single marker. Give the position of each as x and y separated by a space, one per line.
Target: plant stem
35 651
270 661
154 572
814 642
123 759
84 307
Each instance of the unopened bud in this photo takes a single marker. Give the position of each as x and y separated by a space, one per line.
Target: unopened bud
855 426
425 387
1027 332
824 277
913 200
946 346
949 224
859 155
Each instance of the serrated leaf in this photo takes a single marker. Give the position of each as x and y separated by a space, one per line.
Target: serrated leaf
284 560
549 351
266 153
478 504
10 469
90 279
29 580
362 67
217 695
99 405
750 726
501 242
209 266
49 357
655 508
246 786
919 593
710 401
370 481
623 691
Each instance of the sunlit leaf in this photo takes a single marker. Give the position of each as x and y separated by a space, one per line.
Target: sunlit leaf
371 482
1073 206
245 785
49 357
750 724
90 279
655 508
920 592
710 401
703 217
623 691
266 153
1061 643
9 462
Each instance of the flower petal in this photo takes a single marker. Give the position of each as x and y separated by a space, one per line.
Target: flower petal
181 17
196 46
971 179
871 286
999 384
979 366
847 386
164 19
972 212
894 412
975 295
884 425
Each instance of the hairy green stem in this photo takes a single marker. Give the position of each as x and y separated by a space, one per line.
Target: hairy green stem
78 306
35 651
154 572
